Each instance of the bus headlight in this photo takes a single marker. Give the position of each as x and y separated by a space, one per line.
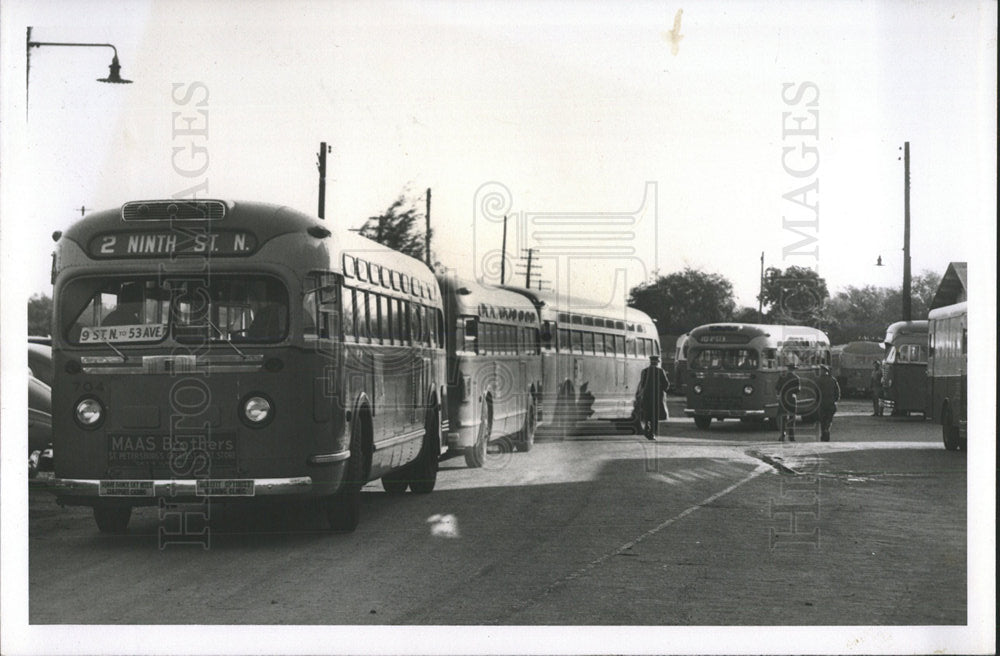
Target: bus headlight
748 390
89 413
697 389
257 410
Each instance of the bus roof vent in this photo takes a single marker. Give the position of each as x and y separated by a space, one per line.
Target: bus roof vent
174 210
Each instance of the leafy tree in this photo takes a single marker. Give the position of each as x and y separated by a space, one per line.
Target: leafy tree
746 315
863 313
39 315
795 296
400 227
683 300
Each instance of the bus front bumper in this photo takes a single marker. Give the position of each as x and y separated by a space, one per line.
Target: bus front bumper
691 412
77 491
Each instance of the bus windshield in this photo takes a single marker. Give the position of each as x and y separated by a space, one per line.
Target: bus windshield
733 359
249 308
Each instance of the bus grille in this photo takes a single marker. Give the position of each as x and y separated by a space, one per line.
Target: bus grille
722 402
172 210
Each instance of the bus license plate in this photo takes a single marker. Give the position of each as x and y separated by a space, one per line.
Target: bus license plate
215 487
125 488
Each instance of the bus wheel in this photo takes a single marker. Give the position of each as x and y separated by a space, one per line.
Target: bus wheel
702 422
395 482
475 455
949 432
343 510
526 437
424 470
112 519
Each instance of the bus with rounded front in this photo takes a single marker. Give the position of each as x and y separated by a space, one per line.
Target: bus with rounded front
733 370
679 383
494 369
207 350
904 370
592 356
948 372
851 365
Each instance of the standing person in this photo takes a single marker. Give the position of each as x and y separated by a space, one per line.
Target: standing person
876 385
787 389
829 393
653 384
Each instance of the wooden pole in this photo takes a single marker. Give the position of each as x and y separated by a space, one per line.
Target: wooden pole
503 252
427 229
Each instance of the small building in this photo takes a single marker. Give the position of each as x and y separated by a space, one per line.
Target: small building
953 286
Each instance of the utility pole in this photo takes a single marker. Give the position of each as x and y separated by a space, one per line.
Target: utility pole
760 296
427 229
907 307
503 253
321 165
527 271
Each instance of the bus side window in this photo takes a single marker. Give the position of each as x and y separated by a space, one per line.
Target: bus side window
563 344
363 316
428 328
310 308
416 323
470 334
440 324
349 306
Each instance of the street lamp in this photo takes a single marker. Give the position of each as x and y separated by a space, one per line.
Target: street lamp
114 69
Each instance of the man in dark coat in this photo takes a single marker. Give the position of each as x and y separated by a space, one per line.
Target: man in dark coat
653 384
787 389
829 393
876 385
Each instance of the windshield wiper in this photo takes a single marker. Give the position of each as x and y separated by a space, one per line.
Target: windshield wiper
227 339
120 354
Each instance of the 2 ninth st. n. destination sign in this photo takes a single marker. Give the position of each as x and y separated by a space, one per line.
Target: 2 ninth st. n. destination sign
167 243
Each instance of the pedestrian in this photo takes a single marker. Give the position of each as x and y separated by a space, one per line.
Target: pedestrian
876 385
653 385
829 393
787 389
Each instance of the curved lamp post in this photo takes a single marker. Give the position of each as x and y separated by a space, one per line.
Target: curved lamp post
114 69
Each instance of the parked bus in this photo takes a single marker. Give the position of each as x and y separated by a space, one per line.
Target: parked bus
592 358
494 368
212 350
948 373
904 370
851 365
733 370
679 382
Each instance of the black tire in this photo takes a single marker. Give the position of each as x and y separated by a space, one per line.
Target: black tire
112 519
526 436
423 472
395 482
949 432
475 455
343 510
702 422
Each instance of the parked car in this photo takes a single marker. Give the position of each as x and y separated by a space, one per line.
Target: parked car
39 408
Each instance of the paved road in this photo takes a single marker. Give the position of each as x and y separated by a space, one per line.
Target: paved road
599 528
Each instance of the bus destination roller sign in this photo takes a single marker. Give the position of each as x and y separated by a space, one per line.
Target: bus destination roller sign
169 243
724 339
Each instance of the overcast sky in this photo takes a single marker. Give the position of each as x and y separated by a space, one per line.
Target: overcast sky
621 138
571 108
